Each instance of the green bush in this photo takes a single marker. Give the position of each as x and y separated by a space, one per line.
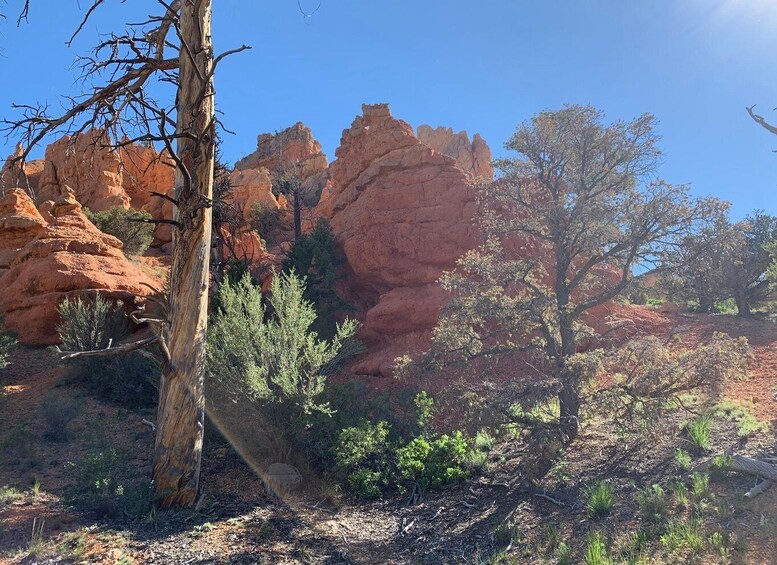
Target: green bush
433 463
363 452
7 344
126 225
273 357
374 459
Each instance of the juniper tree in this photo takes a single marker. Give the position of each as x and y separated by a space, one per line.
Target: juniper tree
745 266
565 224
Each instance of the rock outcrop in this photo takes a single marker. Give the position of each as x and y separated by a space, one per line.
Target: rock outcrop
103 178
473 157
403 213
20 223
292 151
15 174
69 257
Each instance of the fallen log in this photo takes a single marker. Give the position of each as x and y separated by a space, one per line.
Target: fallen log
744 464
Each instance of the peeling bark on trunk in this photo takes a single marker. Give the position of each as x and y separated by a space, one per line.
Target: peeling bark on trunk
180 419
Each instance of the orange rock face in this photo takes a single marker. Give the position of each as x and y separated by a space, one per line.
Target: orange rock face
103 178
69 257
20 223
473 157
14 174
291 151
404 213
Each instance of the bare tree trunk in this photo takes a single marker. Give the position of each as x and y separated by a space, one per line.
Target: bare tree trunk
743 306
569 395
180 419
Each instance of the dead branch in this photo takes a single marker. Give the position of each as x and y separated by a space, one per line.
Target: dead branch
761 121
744 464
108 351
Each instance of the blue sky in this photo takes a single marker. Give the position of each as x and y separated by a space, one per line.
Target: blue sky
480 66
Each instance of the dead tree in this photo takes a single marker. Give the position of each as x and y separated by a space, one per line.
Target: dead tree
174 49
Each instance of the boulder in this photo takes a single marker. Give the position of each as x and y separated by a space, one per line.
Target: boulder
70 257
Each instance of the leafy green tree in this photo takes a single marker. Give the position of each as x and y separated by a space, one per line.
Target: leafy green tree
565 224
316 257
132 227
271 354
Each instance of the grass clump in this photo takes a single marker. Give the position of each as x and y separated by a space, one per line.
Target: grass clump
699 430
682 459
8 495
743 415
700 484
683 535
600 499
129 226
596 550
653 502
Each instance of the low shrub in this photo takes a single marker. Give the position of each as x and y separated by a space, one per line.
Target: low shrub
90 324
59 411
129 226
130 380
430 463
7 345
102 487
374 459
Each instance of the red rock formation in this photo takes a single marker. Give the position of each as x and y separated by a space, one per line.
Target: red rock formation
473 157
83 163
144 170
404 214
15 175
291 151
250 188
101 177
69 257
20 223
